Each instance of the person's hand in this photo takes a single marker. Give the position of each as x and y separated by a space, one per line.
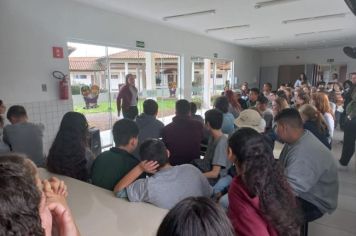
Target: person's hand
217 196
61 216
58 186
149 166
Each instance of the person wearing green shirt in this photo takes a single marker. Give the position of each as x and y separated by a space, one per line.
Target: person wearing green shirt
110 166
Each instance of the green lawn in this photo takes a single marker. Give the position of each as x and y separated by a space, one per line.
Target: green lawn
165 106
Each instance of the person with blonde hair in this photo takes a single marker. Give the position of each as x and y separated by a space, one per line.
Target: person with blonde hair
314 122
321 102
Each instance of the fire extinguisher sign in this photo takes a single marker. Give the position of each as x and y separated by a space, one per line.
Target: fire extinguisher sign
57 52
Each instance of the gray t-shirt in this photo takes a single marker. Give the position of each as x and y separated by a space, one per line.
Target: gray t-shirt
217 153
311 171
26 138
133 91
169 186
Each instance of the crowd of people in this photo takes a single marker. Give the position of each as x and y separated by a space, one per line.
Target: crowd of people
234 186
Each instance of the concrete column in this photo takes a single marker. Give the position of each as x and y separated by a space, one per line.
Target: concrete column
186 72
126 68
150 71
206 90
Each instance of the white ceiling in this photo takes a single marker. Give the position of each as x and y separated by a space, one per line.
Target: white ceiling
264 22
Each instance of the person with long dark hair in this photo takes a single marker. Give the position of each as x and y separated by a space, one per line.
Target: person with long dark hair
127 99
261 202
195 216
69 154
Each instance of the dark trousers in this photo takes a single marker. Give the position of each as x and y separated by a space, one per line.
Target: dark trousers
348 147
130 113
310 212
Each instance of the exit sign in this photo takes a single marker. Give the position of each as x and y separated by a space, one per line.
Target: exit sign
140 44
330 60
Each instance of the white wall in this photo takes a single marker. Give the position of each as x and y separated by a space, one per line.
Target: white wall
29 29
316 56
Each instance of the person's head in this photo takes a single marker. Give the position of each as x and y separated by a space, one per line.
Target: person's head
264 177
130 79
309 112
321 102
267 88
273 96
196 216
154 150
262 103
125 132
67 155
337 87
302 98
2 107
251 118
289 125
244 86
193 108
353 78
253 95
214 119
150 107
182 107
303 77
20 197
347 84
16 114
74 122
279 104
222 104
306 89
281 94
334 76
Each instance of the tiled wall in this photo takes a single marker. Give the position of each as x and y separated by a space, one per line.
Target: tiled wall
50 114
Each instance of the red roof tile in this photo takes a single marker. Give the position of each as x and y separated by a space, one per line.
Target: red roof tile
85 64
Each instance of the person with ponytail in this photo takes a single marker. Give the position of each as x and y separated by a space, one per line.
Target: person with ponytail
261 200
315 123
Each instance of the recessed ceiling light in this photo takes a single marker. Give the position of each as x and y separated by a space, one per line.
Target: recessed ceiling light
314 18
198 13
317 32
227 28
252 38
272 3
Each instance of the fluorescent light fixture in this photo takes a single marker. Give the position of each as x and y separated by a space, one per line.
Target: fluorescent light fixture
227 28
272 3
307 19
330 31
252 38
213 11
317 32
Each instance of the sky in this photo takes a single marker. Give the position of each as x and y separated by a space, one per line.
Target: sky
90 50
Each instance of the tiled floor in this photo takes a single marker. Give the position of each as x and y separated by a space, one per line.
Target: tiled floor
342 222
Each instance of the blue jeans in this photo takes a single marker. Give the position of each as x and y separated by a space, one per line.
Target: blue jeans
222 183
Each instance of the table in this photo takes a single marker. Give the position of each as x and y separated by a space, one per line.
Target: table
98 212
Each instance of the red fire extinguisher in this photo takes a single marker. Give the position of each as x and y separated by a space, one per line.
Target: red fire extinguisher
63 84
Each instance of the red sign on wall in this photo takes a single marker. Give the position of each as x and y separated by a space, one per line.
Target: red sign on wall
57 52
